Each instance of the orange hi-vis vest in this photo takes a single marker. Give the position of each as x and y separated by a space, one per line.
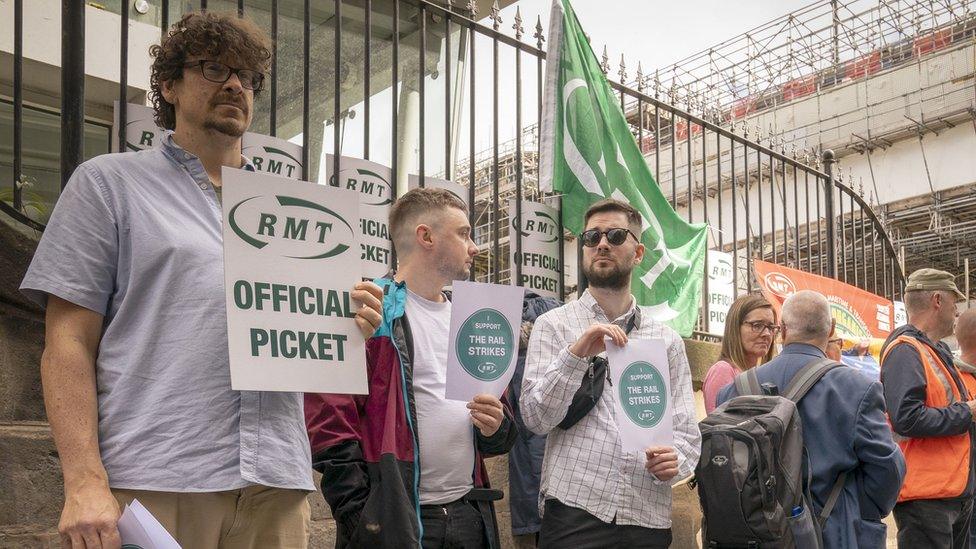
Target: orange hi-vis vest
967 372
937 467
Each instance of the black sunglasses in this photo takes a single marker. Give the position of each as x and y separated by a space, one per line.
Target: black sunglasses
215 71
615 236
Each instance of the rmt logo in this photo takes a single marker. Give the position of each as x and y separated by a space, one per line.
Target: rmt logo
273 160
780 284
297 228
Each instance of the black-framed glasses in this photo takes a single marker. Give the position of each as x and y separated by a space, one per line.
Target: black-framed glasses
758 327
218 72
615 236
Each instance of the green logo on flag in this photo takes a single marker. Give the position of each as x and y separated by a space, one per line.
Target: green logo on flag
485 345
589 153
643 394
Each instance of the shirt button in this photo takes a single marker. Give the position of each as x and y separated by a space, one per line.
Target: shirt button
203 186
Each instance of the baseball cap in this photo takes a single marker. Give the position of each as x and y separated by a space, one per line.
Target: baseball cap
933 279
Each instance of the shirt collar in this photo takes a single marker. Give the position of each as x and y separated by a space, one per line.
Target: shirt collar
803 349
963 365
587 300
938 346
190 160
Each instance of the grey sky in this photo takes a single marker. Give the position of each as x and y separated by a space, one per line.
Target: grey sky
659 33
656 33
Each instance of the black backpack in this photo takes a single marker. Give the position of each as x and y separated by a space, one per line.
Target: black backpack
753 476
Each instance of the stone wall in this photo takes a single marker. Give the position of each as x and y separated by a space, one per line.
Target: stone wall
30 474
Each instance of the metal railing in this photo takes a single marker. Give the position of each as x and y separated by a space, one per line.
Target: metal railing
750 194
778 228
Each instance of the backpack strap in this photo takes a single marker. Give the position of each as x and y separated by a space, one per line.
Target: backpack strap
808 376
747 383
832 499
801 384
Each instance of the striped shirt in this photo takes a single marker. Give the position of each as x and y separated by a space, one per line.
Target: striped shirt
584 466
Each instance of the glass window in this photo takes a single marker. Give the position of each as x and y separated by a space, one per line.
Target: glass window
41 156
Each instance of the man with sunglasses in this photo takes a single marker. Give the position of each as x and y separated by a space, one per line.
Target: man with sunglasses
135 368
592 494
845 434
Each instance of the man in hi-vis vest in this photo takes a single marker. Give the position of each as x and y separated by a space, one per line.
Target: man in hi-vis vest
931 412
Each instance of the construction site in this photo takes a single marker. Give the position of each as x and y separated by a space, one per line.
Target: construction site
888 86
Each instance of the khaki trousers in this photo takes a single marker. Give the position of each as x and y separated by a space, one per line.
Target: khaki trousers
256 517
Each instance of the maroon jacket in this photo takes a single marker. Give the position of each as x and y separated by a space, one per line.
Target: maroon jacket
366 446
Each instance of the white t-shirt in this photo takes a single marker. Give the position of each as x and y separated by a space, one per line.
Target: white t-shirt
445 428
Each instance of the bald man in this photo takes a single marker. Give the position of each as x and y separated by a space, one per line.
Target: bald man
966 337
844 428
966 364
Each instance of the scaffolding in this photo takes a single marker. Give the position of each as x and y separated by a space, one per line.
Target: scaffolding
771 82
854 76
508 171
797 85
806 51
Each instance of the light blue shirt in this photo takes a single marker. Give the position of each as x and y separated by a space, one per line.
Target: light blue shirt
136 237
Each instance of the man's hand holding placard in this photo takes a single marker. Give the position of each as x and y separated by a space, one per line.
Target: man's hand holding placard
592 342
370 313
487 413
662 462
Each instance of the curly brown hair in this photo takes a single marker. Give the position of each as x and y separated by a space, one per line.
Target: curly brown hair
212 35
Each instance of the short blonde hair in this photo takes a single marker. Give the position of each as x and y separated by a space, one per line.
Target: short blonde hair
966 329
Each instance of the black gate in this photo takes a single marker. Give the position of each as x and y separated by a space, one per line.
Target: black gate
430 91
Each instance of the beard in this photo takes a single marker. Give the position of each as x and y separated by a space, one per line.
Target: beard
614 277
949 326
226 126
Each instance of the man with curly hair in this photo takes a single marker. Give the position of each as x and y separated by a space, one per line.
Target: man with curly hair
135 368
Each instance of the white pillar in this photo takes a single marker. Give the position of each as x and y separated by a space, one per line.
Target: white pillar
408 130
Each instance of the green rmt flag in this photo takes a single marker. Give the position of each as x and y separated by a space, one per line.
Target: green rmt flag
588 153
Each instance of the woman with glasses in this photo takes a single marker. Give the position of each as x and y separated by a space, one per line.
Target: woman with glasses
750 329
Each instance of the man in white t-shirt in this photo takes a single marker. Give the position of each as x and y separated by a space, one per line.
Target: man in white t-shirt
403 466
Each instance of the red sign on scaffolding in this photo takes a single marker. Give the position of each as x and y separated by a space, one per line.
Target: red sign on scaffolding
799 87
864 65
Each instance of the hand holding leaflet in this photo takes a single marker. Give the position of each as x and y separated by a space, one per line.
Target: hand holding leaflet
140 530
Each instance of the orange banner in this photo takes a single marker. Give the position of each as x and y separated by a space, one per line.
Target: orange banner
859 314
